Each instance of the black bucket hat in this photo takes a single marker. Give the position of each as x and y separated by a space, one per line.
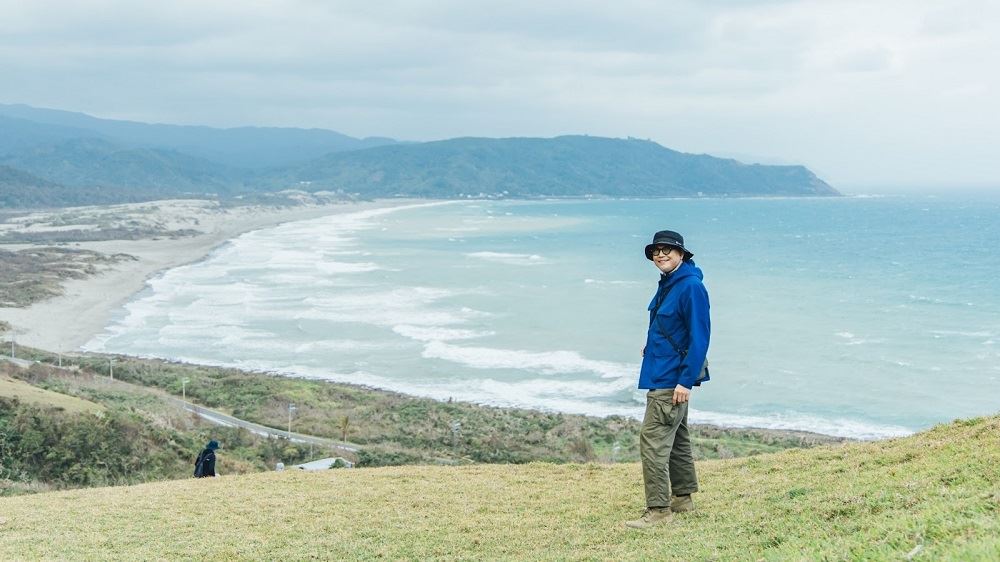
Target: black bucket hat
667 238
213 445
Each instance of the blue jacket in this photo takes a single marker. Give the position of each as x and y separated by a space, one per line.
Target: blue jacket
684 315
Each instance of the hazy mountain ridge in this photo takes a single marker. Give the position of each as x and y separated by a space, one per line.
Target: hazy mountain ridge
85 162
561 166
91 160
20 134
245 147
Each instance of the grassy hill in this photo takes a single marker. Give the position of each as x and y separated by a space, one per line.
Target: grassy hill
932 496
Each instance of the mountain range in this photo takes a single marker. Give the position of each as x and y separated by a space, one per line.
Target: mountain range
57 158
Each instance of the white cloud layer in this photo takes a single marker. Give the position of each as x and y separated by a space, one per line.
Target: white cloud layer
866 93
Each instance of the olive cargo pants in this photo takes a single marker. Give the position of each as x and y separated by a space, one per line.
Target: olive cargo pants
665 448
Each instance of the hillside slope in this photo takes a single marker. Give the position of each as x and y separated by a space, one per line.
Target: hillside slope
21 189
931 496
14 388
97 162
560 166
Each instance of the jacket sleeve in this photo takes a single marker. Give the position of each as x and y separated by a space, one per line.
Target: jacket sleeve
694 306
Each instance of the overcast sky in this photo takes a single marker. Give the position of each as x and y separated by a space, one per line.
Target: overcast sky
868 94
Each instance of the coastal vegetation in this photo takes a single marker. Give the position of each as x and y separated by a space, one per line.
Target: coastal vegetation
930 496
93 235
388 428
68 429
42 448
37 273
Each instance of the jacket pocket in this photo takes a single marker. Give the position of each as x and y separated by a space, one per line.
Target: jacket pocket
664 324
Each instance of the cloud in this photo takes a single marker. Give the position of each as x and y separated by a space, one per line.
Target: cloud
856 89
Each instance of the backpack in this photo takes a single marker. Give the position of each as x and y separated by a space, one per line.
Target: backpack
199 465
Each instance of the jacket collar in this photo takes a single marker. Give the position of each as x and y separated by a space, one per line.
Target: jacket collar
673 274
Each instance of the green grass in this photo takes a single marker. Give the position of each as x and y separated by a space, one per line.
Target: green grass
932 496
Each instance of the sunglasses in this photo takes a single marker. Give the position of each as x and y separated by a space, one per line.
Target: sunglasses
665 250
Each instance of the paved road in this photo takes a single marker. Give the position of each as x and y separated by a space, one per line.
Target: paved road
219 418
229 421
19 362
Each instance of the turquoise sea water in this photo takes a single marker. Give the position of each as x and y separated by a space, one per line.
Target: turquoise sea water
863 317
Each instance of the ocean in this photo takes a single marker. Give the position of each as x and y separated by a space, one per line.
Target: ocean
864 317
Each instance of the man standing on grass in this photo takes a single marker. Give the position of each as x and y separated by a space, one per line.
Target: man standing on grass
673 362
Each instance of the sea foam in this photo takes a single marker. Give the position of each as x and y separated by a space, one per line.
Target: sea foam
544 362
509 259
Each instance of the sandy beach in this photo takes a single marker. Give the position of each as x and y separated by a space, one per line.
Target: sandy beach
67 322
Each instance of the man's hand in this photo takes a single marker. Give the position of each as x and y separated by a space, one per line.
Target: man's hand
681 394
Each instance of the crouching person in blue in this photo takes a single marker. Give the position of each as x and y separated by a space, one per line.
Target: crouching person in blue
204 466
673 362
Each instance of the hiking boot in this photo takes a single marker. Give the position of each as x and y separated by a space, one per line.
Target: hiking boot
651 517
681 504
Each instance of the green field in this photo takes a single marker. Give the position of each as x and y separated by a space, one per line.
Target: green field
932 496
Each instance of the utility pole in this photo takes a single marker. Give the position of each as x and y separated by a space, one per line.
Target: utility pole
184 382
12 345
291 408
111 368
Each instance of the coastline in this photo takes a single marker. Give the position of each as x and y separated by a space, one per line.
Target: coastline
67 322
87 306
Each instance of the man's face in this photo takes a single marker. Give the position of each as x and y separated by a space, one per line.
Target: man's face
667 258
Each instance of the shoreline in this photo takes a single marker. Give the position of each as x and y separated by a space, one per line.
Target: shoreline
66 322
